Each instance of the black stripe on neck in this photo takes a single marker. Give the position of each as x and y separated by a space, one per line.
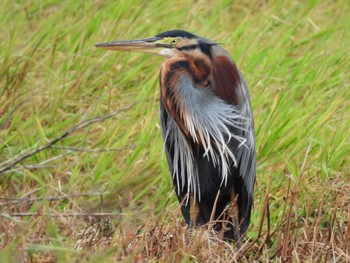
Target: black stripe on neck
189 47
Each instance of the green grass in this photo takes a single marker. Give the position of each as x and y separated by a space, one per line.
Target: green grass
295 57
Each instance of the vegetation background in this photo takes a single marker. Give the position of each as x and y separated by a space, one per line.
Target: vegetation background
101 192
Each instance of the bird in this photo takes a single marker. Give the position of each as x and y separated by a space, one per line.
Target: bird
207 128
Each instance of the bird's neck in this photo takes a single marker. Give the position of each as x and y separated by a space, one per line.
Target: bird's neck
197 68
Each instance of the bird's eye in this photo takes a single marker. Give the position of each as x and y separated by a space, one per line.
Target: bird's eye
174 41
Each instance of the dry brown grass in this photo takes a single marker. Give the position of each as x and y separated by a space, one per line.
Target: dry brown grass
301 235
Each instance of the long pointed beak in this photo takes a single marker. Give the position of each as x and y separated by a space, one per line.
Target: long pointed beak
146 45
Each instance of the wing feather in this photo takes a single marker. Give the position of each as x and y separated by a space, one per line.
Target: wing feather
231 87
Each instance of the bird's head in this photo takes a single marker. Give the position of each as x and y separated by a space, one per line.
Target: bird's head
168 44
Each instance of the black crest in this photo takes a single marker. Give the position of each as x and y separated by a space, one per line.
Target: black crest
177 33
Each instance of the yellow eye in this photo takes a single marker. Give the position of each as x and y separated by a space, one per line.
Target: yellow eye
174 41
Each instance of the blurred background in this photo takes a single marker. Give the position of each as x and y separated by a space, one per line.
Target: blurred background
295 57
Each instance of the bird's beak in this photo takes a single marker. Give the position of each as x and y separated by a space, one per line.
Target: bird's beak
151 45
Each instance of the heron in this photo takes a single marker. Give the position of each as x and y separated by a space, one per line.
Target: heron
207 127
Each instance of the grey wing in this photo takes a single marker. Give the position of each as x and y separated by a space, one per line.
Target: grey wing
246 159
246 155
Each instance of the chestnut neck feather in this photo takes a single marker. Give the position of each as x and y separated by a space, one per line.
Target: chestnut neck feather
198 70
220 72
227 79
